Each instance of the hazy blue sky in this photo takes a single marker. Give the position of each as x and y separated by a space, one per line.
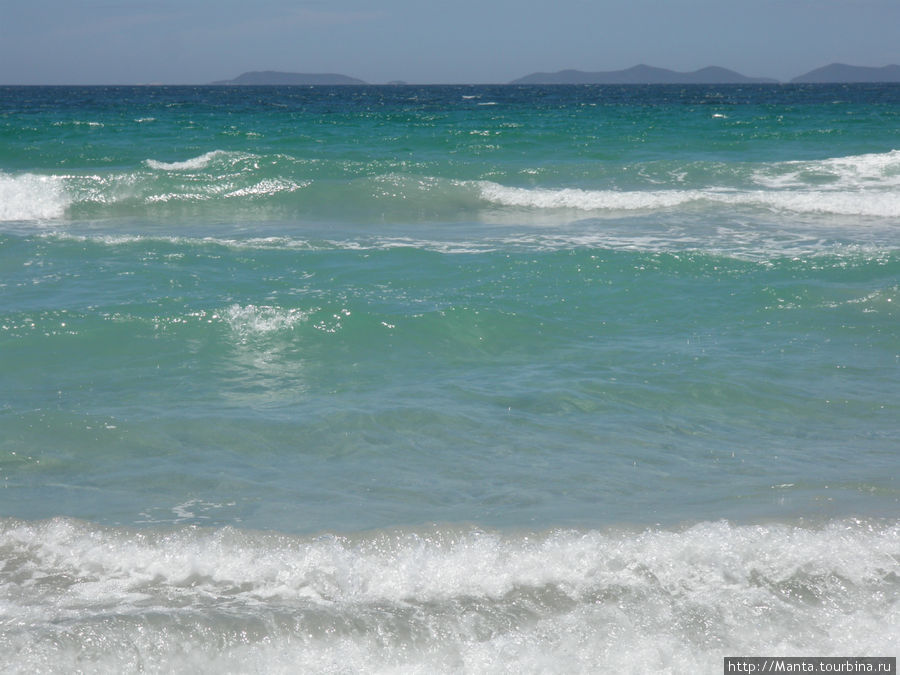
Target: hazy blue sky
472 41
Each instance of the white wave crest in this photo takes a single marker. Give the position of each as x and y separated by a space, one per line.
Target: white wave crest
884 204
200 162
854 172
247 320
857 185
32 197
849 202
78 123
267 188
443 600
586 200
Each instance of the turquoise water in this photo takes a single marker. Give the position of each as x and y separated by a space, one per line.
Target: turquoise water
441 379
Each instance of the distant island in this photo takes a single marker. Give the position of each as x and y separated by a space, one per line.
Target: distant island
836 73
841 72
643 74
268 77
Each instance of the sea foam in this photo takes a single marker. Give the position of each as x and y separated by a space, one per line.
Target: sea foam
199 162
587 200
858 185
444 600
850 172
32 197
856 202
247 320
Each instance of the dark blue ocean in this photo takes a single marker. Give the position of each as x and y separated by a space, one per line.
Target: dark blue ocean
448 379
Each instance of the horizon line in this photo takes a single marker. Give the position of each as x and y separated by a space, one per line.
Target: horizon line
515 82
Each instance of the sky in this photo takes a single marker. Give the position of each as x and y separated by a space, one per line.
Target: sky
441 41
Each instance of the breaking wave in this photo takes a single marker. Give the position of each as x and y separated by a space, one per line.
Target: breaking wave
846 203
218 184
201 162
443 600
32 197
862 185
248 320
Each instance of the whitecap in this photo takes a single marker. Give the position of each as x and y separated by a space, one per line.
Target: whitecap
268 187
32 197
854 172
444 600
78 123
847 202
586 200
200 162
854 202
248 320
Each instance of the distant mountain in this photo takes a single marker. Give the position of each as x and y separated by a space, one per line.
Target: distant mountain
265 77
643 74
841 72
